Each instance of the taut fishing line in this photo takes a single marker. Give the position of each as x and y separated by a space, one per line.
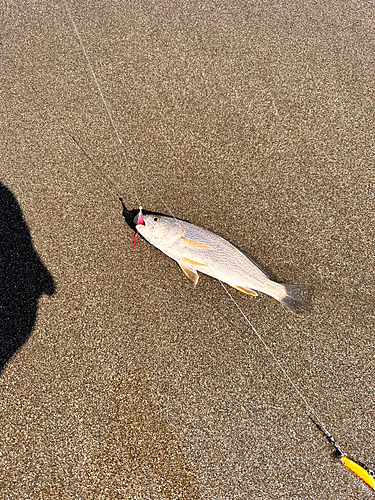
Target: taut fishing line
357 468
108 111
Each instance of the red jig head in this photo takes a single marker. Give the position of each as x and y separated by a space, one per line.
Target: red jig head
139 221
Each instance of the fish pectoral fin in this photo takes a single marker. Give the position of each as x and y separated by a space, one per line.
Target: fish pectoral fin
196 244
248 291
193 262
189 272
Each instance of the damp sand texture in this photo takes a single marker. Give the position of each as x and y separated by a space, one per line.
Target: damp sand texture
253 120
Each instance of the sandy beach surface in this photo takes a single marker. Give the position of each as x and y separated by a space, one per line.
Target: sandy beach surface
254 119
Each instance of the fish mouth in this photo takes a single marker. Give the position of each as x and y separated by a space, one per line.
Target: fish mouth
139 220
140 225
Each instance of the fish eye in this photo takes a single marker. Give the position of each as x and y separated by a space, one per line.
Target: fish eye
156 218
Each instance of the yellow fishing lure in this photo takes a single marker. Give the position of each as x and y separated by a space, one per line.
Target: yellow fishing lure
360 470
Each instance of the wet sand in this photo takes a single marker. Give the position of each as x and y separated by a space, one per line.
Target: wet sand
252 120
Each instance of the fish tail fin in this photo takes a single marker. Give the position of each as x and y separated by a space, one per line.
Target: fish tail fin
296 298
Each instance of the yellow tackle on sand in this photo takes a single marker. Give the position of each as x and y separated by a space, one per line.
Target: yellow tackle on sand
360 470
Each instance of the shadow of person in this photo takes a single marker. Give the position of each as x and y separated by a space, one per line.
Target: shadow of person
23 278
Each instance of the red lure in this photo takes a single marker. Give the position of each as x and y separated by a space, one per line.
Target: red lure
139 221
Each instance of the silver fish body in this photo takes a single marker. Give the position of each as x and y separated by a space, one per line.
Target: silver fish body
197 249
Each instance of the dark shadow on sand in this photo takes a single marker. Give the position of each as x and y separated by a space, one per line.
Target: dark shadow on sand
23 278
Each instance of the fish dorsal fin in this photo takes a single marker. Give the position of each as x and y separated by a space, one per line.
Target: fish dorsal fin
196 244
189 272
248 291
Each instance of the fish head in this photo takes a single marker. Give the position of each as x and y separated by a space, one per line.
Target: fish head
159 230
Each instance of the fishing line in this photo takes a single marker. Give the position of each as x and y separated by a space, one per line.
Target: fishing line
109 114
114 187
281 368
359 469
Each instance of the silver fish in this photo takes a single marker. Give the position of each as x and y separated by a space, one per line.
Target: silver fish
197 249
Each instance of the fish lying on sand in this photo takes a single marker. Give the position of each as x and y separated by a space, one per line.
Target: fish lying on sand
196 249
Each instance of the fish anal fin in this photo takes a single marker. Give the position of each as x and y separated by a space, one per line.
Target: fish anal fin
248 291
196 244
193 262
189 272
